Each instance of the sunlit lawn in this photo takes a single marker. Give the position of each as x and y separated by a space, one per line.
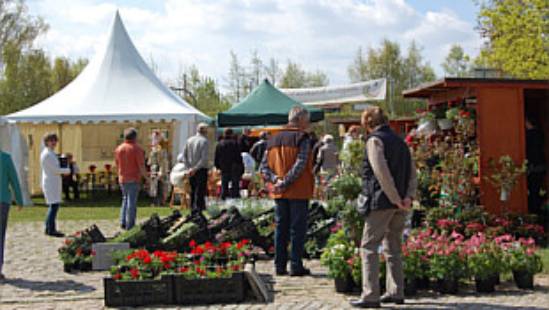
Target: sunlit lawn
102 207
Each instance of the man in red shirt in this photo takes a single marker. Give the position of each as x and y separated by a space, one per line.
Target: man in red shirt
130 161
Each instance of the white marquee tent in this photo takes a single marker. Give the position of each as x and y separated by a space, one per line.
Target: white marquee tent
12 142
116 90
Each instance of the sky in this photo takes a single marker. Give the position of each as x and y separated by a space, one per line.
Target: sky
318 34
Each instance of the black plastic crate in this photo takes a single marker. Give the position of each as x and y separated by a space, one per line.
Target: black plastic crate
209 291
138 293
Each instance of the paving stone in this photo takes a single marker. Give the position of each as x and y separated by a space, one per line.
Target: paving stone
36 281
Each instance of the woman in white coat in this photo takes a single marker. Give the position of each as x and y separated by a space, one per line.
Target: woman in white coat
51 182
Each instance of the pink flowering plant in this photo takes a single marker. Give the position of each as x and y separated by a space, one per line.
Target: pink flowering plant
414 253
446 256
484 257
520 254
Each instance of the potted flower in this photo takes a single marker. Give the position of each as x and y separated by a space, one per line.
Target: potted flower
447 261
335 257
505 175
414 259
355 264
76 252
484 262
524 262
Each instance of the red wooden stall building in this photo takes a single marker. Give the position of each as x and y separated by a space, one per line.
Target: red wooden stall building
501 106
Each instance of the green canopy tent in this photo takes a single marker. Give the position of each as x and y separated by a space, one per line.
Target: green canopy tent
265 105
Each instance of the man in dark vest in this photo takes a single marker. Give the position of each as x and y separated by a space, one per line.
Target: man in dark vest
389 185
288 165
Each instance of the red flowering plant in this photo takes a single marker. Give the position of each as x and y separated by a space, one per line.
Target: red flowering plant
207 260
76 251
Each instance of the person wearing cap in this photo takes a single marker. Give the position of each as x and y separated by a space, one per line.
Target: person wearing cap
327 158
195 158
130 161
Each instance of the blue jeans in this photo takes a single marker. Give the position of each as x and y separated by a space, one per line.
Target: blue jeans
50 218
4 211
291 225
128 211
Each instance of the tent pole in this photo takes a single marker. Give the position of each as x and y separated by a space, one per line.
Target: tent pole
60 138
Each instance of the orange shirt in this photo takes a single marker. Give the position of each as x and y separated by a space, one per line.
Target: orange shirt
129 158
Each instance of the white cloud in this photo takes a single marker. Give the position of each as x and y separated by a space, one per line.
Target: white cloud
320 34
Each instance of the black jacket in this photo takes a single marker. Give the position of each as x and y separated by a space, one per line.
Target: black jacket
398 159
258 150
228 158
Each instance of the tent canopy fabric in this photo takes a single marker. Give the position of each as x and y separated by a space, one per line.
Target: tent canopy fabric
12 142
265 105
118 86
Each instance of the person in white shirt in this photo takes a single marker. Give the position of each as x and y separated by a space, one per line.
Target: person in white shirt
51 182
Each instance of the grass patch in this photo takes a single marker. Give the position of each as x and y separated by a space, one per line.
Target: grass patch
98 208
544 253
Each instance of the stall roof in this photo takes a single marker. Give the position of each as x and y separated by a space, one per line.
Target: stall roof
432 88
117 85
265 105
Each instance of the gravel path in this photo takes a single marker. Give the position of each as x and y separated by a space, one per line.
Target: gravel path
36 281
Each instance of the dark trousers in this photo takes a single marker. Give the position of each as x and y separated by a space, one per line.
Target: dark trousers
4 211
291 225
50 218
67 185
234 181
199 188
535 200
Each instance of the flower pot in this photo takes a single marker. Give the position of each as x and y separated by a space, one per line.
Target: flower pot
423 283
344 285
68 268
445 124
487 285
504 195
85 266
447 286
410 287
523 279
427 127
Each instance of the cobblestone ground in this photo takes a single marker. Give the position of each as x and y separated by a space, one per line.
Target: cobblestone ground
36 281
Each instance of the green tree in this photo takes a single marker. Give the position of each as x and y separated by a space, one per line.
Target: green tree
401 72
518 36
27 79
61 74
457 63
17 26
202 92
295 76
317 79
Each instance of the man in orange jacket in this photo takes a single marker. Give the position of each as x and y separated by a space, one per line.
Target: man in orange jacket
288 165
